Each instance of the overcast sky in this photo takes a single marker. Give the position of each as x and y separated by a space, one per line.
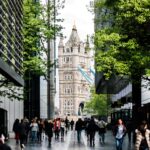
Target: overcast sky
76 11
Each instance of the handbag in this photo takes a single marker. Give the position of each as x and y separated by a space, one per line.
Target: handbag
143 144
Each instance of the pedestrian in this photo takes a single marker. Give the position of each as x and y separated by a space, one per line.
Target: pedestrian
27 128
62 129
129 126
3 146
16 130
57 128
22 134
78 128
119 133
34 130
67 124
91 129
102 130
40 129
49 130
72 124
87 120
142 137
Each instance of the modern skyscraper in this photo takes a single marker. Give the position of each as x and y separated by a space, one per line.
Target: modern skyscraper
74 81
11 47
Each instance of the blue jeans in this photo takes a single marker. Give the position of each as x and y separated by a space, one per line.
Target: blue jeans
33 136
119 144
102 137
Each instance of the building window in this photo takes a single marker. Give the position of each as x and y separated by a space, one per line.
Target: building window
71 50
67 50
67 59
79 48
63 50
68 76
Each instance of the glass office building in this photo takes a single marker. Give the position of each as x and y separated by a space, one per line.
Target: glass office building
11 46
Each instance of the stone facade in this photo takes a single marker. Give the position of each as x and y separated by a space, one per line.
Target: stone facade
73 87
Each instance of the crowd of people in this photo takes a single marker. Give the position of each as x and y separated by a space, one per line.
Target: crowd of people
26 131
32 131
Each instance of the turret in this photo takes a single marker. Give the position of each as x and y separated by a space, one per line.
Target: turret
74 39
87 45
61 42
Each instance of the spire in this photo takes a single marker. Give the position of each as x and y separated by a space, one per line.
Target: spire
74 37
74 27
87 44
61 42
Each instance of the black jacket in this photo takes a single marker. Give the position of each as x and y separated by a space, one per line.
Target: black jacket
4 147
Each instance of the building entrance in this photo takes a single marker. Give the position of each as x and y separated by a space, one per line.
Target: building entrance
3 122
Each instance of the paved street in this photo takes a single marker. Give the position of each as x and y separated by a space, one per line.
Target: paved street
70 143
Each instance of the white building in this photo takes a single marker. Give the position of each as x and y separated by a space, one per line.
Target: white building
74 81
9 111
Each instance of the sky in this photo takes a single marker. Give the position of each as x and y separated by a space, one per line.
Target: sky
75 12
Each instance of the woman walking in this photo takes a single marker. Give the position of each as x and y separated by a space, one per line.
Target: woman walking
119 133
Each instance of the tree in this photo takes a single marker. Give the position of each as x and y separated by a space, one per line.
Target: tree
36 32
97 105
40 28
123 47
10 90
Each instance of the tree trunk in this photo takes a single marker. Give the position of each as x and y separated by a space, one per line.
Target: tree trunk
137 113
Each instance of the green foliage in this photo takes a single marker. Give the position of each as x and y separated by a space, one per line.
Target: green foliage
37 29
36 32
9 90
97 105
122 43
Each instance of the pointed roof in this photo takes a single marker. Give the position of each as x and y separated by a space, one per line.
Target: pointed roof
74 37
61 43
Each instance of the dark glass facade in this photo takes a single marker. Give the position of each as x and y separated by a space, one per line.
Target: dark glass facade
11 46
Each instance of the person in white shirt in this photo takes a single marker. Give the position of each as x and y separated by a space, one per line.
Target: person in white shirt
119 133
34 130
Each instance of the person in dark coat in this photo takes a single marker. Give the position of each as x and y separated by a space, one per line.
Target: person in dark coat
3 146
129 127
67 124
91 129
39 133
16 130
49 130
78 128
72 124
22 133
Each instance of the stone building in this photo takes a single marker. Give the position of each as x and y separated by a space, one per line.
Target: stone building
74 81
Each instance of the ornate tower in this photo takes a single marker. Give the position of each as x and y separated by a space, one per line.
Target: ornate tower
73 87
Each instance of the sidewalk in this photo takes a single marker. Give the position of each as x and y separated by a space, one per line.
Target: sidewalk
70 143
